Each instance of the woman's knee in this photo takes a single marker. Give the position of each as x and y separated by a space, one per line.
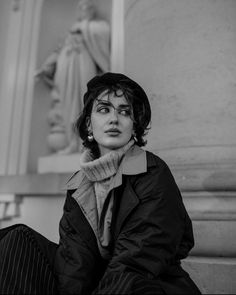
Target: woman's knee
22 228
11 232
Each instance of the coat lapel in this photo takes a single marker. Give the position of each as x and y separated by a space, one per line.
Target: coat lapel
79 223
126 200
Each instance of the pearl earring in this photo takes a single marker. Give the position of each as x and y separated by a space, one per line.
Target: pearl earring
90 137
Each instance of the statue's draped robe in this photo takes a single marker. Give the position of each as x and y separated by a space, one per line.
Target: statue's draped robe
84 54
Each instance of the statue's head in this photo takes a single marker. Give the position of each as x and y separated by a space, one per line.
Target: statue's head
85 10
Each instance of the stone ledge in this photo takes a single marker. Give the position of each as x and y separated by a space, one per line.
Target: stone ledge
34 184
190 178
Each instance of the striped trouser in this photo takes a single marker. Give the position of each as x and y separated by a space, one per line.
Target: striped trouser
26 259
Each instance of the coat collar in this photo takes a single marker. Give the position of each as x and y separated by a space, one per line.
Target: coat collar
133 163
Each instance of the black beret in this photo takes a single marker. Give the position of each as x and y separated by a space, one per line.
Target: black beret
113 79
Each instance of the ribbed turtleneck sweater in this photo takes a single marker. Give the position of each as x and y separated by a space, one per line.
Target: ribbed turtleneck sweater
100 173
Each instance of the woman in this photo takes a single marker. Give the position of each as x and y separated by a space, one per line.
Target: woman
125 228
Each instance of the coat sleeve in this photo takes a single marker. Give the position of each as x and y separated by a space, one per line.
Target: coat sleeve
77 256
151 236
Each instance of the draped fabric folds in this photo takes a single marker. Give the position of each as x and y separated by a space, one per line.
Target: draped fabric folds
86 51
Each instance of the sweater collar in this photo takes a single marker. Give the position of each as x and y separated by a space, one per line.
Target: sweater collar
134 162
103 167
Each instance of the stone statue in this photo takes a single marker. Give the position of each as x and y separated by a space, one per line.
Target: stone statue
84 53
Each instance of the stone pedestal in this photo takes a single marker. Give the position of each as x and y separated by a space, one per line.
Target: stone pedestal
59 163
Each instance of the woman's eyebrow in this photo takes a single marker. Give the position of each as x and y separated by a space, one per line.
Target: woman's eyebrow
125 106
102 102
108 103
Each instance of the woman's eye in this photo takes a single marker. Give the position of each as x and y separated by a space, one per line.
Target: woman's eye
125 112
103 110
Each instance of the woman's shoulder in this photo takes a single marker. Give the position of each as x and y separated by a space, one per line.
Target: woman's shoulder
157 181
157 166
144 166
138 160
153 160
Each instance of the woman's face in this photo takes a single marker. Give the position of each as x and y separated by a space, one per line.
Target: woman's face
111 122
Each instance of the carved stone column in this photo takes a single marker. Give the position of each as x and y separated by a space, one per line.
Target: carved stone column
17 83
189 65
183 53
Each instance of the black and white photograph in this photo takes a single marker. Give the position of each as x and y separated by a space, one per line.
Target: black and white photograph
117 147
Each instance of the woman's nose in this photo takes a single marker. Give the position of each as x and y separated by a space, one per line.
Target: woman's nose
114 115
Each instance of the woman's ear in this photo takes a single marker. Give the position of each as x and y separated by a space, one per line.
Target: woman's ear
88 124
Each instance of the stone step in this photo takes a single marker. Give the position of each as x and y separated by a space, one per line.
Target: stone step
213 275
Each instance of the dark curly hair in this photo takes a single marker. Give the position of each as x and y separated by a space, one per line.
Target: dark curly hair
118 84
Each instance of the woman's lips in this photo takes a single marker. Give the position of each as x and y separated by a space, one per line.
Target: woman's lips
113 132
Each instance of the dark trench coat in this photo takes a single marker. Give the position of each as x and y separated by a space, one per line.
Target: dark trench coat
151 233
